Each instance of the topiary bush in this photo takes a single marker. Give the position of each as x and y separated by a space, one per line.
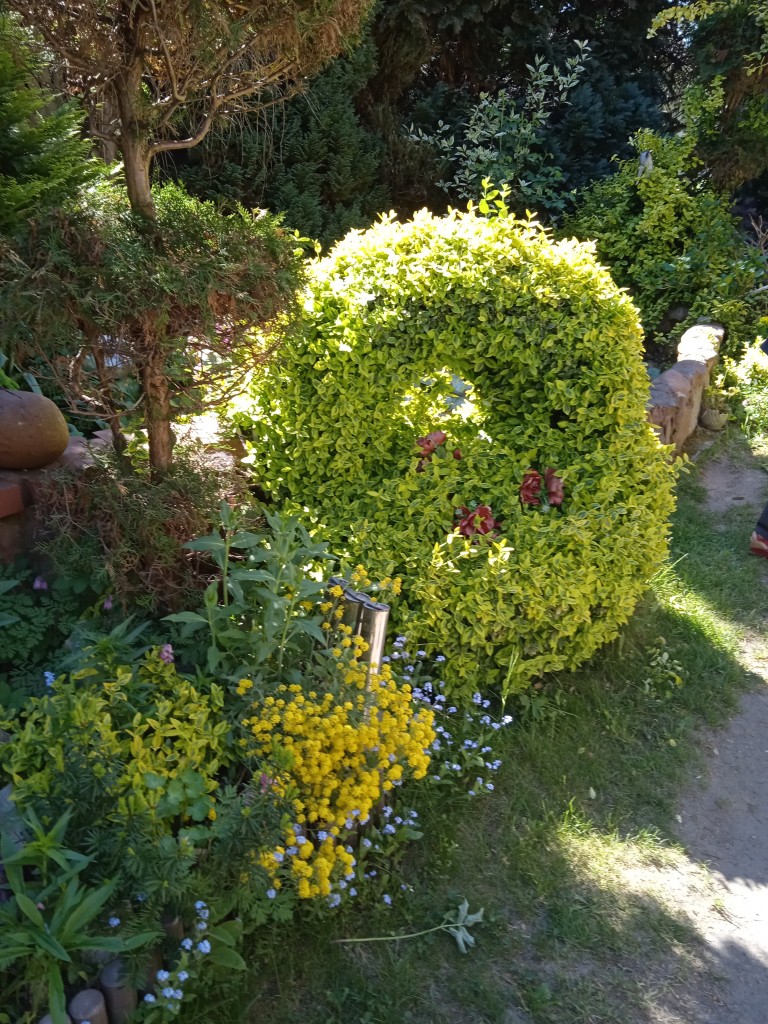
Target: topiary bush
434 364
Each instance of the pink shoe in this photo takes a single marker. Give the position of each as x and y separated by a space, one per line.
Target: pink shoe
758 545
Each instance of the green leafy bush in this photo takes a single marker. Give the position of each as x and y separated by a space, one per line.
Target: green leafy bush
669 238
504 137
435 363
747 382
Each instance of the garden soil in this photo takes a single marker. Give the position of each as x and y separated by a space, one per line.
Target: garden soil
723 827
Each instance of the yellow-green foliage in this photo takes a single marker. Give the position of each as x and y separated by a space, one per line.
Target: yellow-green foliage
162 759
551 349
669 238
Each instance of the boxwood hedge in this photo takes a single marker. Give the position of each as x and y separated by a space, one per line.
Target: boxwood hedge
526 356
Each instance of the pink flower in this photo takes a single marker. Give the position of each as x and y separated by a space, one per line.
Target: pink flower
431 442
166 654
107 605
40 583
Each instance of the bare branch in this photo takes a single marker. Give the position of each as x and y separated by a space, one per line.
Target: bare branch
179 97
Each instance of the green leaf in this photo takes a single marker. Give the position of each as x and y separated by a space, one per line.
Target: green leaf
223 956
52 946
57 1004
309 628
28 908
188 617
213 542
88 908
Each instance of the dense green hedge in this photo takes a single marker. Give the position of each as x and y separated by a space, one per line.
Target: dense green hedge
549 349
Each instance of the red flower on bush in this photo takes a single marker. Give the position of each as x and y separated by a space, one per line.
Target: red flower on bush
530 488
477 522
430 443
554 487
428 446
537 491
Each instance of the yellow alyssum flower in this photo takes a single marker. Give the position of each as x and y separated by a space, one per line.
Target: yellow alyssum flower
346 750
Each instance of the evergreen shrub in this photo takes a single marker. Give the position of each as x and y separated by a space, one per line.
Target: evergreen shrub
670 238
434 364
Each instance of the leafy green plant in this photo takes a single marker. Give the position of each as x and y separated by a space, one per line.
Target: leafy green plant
746 382
47 923
253 612
148 761
37 614
6 619
521 352
504 138
670 239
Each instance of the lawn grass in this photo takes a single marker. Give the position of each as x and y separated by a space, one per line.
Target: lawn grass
584 807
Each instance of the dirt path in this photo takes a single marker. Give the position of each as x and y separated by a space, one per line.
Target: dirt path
724 827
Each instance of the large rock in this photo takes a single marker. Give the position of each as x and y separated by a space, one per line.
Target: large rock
32 430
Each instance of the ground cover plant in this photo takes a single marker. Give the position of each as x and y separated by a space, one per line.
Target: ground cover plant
461 402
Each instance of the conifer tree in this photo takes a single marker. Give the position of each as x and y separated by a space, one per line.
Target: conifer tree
43 157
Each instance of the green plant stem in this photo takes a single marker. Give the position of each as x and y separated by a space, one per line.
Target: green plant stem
397 938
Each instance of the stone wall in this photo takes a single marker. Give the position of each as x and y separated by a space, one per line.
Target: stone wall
674 403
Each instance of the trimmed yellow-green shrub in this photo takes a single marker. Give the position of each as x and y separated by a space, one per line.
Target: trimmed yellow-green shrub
526 355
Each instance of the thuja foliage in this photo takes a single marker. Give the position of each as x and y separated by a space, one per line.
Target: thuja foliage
122 535
510 352
669 238
43 159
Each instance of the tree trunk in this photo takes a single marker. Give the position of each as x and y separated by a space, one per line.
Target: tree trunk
157 409
134 142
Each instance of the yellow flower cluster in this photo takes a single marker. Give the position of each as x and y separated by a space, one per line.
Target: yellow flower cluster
346 749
